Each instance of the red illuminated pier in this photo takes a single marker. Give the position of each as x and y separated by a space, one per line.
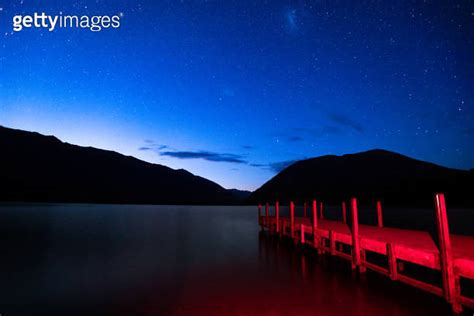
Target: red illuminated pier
452 256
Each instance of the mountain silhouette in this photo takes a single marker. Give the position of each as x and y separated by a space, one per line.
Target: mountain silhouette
240 194
41 168
370 175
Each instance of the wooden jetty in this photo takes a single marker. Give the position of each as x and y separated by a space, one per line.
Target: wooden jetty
452 256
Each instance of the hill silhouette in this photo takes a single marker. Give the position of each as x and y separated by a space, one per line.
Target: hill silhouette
371 175
44 169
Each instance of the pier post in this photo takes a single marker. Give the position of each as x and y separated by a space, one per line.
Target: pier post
392 262
379 214
277 216
267 216
321 213
446 257
315 215
344 215
305 206
292 219
315 223
302 234
260 214
355 235
332 242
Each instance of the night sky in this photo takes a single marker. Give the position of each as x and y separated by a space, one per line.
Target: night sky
235 90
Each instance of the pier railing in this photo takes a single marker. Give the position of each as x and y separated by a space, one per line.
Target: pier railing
453 256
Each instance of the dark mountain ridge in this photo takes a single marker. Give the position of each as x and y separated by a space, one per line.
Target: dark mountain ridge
39 168
376 174
240 194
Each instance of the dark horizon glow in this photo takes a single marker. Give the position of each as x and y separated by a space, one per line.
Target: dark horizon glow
235 90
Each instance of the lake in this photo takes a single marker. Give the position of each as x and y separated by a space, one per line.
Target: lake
78 259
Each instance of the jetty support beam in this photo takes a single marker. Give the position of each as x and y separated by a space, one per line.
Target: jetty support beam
267 215
446 256
314 211
292 219
355 235
302 237
392 262
277 216
379 214
344 212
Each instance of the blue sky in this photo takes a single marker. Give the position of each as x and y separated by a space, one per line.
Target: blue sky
235 90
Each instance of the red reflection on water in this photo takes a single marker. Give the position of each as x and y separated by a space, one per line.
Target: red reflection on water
283 280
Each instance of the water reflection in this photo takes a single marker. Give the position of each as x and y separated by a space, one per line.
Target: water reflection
177 260
304 283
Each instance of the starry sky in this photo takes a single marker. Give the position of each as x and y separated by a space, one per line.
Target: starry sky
234 91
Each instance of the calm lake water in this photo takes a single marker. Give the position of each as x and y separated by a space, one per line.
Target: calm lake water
177 260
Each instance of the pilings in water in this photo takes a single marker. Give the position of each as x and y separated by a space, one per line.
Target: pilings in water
277 217
355 235
292 219
446 256
379 214
267 214
344 212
